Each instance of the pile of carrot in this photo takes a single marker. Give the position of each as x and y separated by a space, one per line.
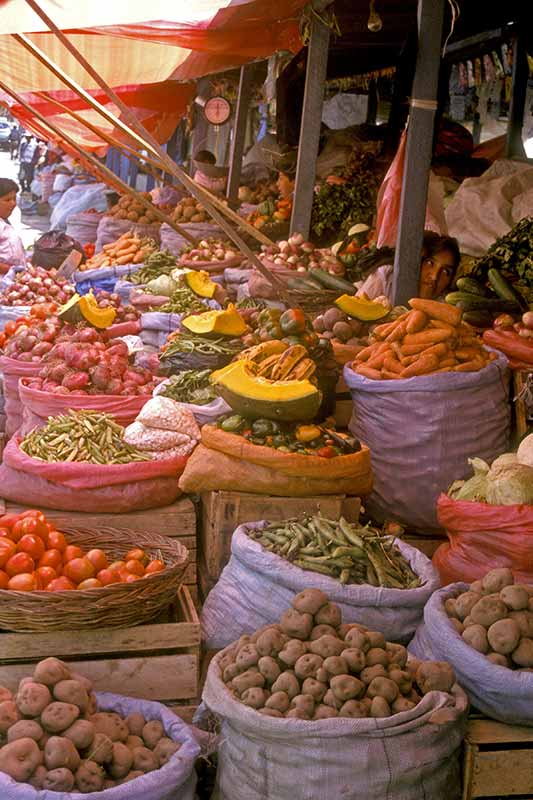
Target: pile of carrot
128 249
429 338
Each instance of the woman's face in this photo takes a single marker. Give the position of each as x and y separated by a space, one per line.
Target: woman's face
7 204
436 274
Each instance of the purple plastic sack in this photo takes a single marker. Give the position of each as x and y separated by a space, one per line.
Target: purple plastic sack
422 431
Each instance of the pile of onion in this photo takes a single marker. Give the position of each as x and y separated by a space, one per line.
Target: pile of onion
300 255
37 285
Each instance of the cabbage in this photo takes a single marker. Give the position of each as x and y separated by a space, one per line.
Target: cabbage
510 484
474 488
162 285
525 451
504 460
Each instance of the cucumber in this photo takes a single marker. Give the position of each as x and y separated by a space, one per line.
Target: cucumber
479 319
471 286
304 284
473 302
332 281
504 290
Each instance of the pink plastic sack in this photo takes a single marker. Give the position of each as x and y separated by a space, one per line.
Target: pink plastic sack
12 370
39 405
482 537
115 488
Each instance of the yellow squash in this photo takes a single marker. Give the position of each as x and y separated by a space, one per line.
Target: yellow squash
224 323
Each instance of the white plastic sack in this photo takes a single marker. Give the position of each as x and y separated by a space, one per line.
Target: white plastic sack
483 208
498 692
172 241
204 415
8 313
62 182
78 198
403 757
153 338
105 273
7 279
124 288
111 228
176 780
83 227
422 431
256 587
159 321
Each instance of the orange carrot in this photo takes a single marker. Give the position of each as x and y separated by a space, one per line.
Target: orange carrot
406 361
391 364
380 331
470 366
413 349
416 322
427 337
467 353
398 332
440 350
389 376
372 350
436 323
448 362
443 369
366 372
377 361
422 366
441 311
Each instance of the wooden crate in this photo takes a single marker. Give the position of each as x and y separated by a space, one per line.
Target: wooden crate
177 520
427 544
222 512
498 760
158 661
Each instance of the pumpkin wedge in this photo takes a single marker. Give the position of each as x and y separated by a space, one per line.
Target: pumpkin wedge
226 323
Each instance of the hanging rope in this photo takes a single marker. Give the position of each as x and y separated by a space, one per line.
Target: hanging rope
456 13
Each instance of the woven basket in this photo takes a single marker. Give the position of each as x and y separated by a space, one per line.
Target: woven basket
116 606
313 303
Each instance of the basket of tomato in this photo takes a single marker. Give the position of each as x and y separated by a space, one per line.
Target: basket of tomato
80 578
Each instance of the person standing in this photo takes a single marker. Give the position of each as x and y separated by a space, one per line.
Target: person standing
14 139
12 251
28 155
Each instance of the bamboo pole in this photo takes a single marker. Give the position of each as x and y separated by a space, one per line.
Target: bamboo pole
103 170
214 208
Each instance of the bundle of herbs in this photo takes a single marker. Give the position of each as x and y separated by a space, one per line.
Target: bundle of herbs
512 255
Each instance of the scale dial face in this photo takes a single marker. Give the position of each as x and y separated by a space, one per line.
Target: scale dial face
217 110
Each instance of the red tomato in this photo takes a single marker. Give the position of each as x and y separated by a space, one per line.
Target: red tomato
154 566
326 452
108 576
19 563
10 327
56 541
4 579
44 575
79 569
7 549
60 585
135 567
29 525
138 555
90 583
51 558
8 520
23 582
16 531
31 544
33 513
98 559
5 533
116 566
72 551
130 577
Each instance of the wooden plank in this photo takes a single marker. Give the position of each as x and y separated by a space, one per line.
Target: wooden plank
418 152
239 132
489 731
502 773
317 62
426 545
185 712
153 678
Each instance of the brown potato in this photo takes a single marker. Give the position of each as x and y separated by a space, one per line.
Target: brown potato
121 762
165 749
477 587
90 777
346 687
270 642
247 680
322 630
458 625
358 640
59 779
255 697
230 672
449 607
515 597
19 759
354 658
287 682
329 614
435 676
153 731
85 682
380 708
523 655
25 729
476 637
134 741
499 659
383 687
353 709
278 701
343 629
397 654
376 639
247 657
5 694
297 713
110 724
324 712
51 671
369 673
269 668
37 779
488 610
144 760
307 666
330 700
32 699
101 750
504 636
269 712
524 620
9 714
304 703
59 716
292 651
376 655
402 704
327 646
315 688
74 692
496 579
465 603
60 752
296 625
310 601
81 733
336 665
402 679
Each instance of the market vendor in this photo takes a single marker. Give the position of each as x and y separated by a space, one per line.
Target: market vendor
440 259
11 248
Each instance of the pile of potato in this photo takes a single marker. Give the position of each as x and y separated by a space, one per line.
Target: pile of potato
312 667
128 207
190 210
495 617
57 740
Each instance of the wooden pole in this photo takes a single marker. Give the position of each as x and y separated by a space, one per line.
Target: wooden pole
514 144
317 62
108 175
239 132
418 151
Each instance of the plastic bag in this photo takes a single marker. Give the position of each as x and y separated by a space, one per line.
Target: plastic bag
204 415
62 182
110 229
51 249
256 587
12 370
165 414
498 692
39 405
403 757
418 455
69 486
83 226
103 279
176 779
11 313
482 537
172 241
76 199
153 439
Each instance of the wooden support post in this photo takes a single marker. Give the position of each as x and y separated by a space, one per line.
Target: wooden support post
418 151
239 132
317 62
372 107
514 145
